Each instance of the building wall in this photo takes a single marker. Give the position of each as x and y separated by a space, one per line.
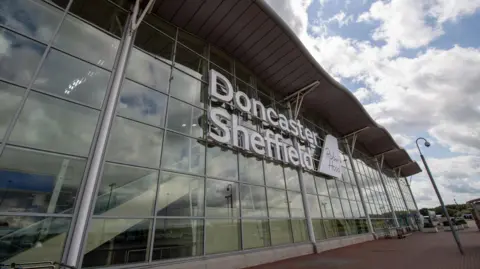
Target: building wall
165 192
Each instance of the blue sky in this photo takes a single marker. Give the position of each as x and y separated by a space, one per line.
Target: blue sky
414 65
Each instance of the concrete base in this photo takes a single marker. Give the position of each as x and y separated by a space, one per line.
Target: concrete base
250 258
430 230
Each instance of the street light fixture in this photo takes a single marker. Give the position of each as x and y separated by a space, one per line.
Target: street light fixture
445 211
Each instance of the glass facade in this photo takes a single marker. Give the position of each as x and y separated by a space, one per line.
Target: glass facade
164 191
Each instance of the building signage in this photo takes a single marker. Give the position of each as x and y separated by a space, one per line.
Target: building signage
227 130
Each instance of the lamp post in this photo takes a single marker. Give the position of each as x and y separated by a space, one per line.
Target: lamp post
454 232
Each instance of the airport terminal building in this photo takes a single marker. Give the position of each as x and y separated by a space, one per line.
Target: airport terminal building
181 134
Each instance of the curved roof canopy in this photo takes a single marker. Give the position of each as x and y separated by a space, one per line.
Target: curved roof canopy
256 36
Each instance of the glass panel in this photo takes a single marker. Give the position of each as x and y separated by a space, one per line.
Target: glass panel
325 206
221 59
291 178
346 208
332 187
296 205
251 169
281 232
10 97
149 71
330 228
126 191
342 192
116 241
256 233
52 124
341 227
72 79
190 62
39 182
314 206
180 195
153 41
308 181
19 57
222 199
321 186
87 42
187 88
254 202
222 163
184 154
21 16
299 228
337 207
142 104
274 175
22 236
223 235
318 229
191 41
242 73
134 143
277 203
161 25
184 118
177 238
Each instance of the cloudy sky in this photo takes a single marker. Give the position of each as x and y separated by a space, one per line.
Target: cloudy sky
415 66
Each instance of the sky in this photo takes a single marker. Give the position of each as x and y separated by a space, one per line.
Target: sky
415 66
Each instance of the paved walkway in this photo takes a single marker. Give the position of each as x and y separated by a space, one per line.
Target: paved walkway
425 251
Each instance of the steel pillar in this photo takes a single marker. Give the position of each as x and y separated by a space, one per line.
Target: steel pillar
386 193
357 182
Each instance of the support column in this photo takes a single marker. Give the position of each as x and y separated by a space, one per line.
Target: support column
311 233
419 222
401 192
357 182
87 197
386 193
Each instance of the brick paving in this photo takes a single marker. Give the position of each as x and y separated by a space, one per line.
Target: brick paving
421 250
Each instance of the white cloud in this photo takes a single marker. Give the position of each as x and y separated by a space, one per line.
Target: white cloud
341 18
433 92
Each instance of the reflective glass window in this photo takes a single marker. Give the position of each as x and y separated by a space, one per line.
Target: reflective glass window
254 201
251 169
321 186
332 187
151 72
330 228
190 62
220 59
222 163
296 205
222 199
299 229
280 231
53 124
39 182
126 191
135 143
337 207
22 236
291 179
111 241
318 229
184 154
21 15
314 206
274 175
341 227
256 233
72 79
342 191
188 88
277 203
347 211
184 118
222 235
10 97
326 206
19 57
309 182
180 195
177 238
155 42
140 103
